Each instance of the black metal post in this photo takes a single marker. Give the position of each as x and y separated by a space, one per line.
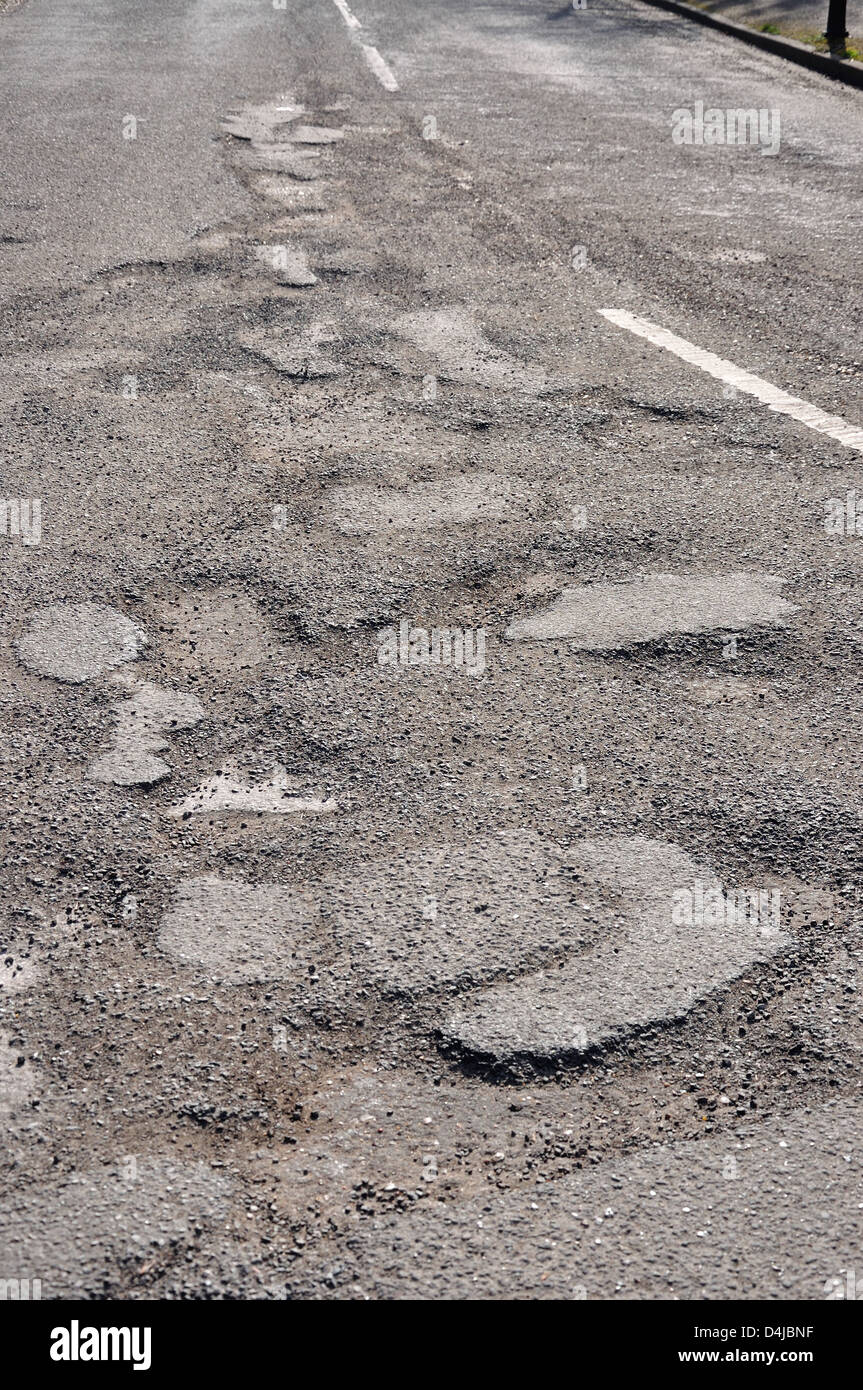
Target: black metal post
836 33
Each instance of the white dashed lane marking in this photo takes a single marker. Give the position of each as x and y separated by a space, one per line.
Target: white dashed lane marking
344 10
381 69
771 396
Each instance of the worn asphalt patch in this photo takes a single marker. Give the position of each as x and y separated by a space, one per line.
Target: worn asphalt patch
296 352
375 1130
289 263
260 122
611 617
17 1079
659 953
463 352
297 161
142 721
220 637
357 510
77 641
455 913
18 970
238 933
277 795
315 134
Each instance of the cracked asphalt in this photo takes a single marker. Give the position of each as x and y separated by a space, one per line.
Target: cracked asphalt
430 705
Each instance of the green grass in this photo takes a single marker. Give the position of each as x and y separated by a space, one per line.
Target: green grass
819 42
853 47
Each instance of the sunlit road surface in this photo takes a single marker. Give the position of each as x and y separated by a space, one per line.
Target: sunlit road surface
431 667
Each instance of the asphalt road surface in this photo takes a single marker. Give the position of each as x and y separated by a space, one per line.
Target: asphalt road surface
431 700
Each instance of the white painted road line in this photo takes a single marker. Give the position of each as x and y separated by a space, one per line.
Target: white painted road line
771 396
379 68
350 19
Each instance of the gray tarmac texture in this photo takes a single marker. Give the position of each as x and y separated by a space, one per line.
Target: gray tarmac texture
313 362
